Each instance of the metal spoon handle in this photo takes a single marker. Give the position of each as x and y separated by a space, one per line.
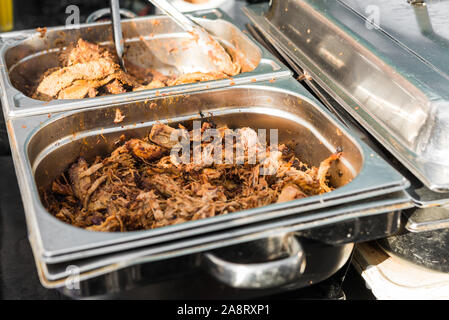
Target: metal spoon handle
183 21
117 31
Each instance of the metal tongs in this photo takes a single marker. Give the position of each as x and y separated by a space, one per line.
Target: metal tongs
117 32
214 57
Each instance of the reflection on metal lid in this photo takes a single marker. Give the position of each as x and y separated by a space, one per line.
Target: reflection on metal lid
421 26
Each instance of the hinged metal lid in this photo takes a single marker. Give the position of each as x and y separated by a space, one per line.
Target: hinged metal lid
385 61
421 26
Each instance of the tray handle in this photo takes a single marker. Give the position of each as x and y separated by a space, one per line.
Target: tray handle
259 275
427 219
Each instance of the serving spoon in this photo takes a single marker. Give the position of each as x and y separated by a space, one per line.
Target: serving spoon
206 54
215 58
117 32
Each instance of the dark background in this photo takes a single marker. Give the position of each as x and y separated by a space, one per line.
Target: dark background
47 13
32 14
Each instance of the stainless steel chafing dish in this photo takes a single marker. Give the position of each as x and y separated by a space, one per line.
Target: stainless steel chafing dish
46 147
43 147
315 234
26 55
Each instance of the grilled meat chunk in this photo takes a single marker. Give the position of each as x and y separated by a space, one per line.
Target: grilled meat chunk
115 87
161 134
52 84
144 150
83 52
80 182
290 192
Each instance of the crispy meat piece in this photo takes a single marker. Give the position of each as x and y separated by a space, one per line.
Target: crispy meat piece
81 88
98 201
80 182
77 90
92 169
92 189
60 188
112 223
211 174
122 157
64 215
150 205
115 87
118 116
92 93
83 52
62 78
161 134
144 150
323 171
125 79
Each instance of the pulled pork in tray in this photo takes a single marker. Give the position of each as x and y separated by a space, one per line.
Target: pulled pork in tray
141 186
89 70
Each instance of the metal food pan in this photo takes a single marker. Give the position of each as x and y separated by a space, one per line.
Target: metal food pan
43 147
393 80
26 55
351 223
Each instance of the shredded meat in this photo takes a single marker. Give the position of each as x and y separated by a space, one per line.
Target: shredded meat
161 135
290 192
89 70
139 186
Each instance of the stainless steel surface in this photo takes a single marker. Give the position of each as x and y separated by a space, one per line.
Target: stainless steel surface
43 147
209 55
431 210
427 219
117 32
302 76
24 56
260 275
397 94
102 13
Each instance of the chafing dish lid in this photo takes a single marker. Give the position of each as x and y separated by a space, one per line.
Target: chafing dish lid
388 61
421 26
